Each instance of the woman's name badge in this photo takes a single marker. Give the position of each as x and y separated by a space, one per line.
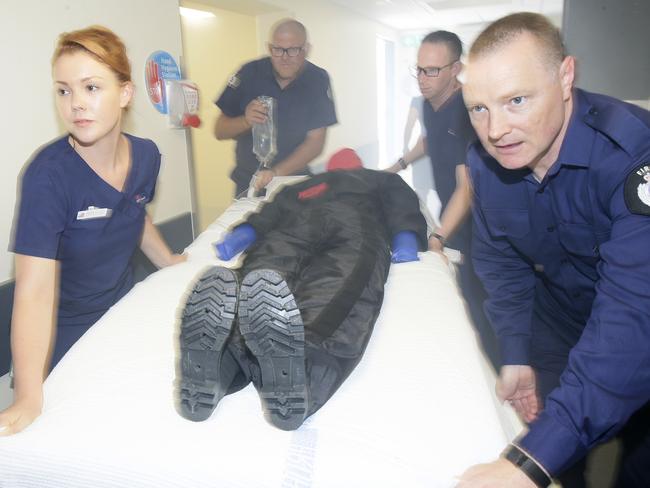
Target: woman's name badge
94 213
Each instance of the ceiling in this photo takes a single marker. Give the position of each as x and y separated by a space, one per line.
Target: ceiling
403 15
246 7
449 14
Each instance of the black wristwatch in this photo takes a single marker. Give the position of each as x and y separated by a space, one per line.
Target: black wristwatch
402 163
530 468
440 237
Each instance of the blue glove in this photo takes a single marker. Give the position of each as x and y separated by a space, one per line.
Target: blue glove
236 241
405 247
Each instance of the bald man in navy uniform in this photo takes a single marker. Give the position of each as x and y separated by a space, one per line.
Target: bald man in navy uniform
305 108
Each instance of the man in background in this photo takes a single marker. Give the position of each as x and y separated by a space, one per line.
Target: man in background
448 134
304 107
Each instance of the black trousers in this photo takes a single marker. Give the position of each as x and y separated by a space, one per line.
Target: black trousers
550 352
336 265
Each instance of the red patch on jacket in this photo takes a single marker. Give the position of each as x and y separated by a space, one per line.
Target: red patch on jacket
313 192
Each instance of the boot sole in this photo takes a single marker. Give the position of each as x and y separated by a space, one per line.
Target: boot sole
207 322
270 322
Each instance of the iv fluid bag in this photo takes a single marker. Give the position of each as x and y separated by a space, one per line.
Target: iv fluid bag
264 135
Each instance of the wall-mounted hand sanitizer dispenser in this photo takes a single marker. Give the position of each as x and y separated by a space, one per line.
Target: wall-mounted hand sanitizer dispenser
182 103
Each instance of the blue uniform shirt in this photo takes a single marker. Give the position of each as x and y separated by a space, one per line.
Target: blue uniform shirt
449 132
576 245
94 253
303 105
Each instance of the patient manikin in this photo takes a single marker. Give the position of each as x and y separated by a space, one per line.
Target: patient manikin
295 319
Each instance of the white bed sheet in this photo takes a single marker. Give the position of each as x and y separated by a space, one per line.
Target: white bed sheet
417 410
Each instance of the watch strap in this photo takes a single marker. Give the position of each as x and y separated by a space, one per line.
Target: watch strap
526 464
440 237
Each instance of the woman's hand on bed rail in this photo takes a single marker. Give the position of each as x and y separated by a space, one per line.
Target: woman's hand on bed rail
19 415
517 385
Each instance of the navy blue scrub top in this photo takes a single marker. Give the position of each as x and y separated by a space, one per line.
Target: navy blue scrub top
449 133
303 105
94 252
577 245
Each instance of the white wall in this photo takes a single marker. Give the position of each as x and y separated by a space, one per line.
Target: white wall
28 34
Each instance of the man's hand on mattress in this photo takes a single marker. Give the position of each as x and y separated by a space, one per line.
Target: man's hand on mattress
498 474
436 246
517 386
18 416
264 177
395 168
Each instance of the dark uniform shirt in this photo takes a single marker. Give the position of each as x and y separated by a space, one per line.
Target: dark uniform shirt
56 221
449 132
303 105
576 245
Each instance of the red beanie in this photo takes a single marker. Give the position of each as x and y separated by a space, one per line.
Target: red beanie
343 159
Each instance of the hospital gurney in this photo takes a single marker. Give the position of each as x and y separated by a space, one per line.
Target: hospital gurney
417 410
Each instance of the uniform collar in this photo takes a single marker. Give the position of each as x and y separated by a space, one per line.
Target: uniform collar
579 137
269 70
450 101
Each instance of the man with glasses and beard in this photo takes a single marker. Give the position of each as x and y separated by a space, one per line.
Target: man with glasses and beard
304 107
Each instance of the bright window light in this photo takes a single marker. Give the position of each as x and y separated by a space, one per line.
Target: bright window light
192 13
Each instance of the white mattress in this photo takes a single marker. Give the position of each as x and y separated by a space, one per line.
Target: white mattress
417 411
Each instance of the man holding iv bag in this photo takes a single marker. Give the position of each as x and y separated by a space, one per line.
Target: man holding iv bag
303 103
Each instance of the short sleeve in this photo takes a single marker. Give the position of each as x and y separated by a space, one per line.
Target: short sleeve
154 158
467 134
41 215
401 208
230 100
465 131
324 113
417 103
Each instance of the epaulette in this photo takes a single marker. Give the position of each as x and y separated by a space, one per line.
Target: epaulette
617 121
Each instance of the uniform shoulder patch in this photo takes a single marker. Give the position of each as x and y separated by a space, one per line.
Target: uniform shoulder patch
637 190
234 81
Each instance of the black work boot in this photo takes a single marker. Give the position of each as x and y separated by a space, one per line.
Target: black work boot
270 322
207 321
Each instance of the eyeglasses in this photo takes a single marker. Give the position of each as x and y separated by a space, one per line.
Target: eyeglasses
292 52
429 72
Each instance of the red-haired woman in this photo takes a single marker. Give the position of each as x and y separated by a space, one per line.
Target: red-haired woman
82 215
